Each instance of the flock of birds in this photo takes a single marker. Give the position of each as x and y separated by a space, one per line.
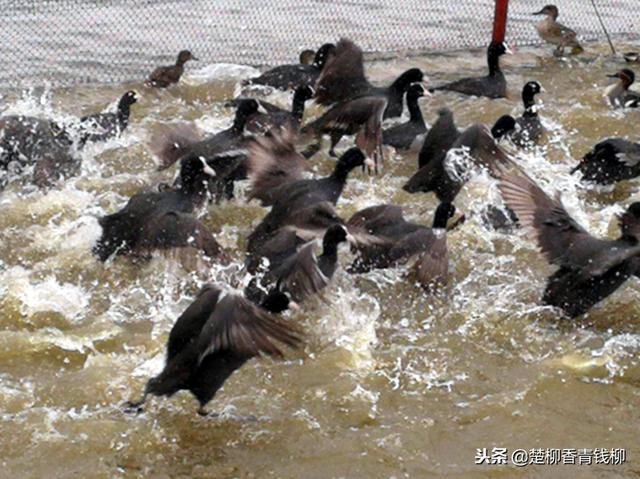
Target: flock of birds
221 330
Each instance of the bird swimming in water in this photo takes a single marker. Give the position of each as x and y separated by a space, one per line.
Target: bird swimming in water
361 116
162 221
276 117
294 267
343 79
214 337
610 161
493 85
285 77
400 241
527 129
551 31
103 126
618 95
39 143
163 77
408 135
590 268
446 174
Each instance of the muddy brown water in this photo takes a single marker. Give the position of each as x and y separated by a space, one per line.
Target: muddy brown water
392 383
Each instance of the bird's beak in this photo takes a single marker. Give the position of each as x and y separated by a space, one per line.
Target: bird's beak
615 75
262 109
313 91
507 50
351 239
293 306
369 163
207 169
541 12
542 90
195 58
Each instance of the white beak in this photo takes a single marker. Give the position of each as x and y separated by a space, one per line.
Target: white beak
507 50
207 169
262 109
370 163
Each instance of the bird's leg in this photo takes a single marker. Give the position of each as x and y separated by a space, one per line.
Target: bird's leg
336 136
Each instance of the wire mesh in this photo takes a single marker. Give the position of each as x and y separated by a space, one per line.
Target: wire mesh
72 41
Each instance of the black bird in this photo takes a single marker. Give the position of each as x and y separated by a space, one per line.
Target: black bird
40 143
439 138
308 222
276 117
102 126
401 242
287 77
214 337
494 85
611 160
528 128
299 272
618 95
343 79
446 177
361 117
291 195
162 221
273 161
590 268
165 76
176 142
410 134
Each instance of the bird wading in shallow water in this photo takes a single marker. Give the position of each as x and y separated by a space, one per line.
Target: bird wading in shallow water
214 337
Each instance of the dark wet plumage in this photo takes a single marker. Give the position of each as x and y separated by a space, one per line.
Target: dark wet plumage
445 177
343 79
287 77
590 269
215 336
38 143
401 242
528 129
611 160
276 117
163 77
494 85
408 135
295 269
103 126
361 117
161 221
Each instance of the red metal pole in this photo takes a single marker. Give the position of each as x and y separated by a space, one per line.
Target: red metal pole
500 20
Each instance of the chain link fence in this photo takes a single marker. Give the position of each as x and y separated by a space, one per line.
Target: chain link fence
71 41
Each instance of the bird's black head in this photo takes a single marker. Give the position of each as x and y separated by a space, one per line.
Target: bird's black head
415 91
323 54
307 56
531 88
504 125
351 158
413 75
246 108
129 98
335 235
304 93
497 49
184 56
276 301
550 10
444 212
626 75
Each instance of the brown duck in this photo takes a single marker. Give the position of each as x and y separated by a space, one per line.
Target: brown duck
162 77
555 33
